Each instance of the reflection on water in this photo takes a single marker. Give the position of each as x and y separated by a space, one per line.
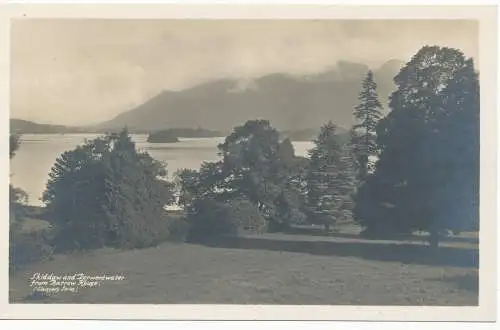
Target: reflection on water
38 152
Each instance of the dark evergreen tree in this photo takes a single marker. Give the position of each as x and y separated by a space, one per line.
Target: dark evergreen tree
330 179
105 193
363 135
136 193
17 196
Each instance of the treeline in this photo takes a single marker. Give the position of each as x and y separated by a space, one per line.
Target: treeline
162 137
415 169
310 134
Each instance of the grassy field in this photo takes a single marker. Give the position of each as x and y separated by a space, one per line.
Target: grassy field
273 269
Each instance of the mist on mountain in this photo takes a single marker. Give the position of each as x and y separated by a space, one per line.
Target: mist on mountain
289 102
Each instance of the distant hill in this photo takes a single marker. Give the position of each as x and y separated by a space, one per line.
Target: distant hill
20 126
291 103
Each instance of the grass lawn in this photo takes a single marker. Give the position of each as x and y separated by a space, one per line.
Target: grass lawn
272 269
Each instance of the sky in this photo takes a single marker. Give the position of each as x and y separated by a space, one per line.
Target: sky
82 72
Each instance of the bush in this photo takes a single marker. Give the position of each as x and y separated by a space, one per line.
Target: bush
28 247
214 219
172 228
278 227
178 228
245 216
207 220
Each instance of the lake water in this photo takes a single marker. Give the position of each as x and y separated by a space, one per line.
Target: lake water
38 152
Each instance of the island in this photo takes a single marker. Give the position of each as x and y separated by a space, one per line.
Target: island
162 137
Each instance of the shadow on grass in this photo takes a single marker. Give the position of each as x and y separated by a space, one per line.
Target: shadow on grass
416 238
468 282
396 252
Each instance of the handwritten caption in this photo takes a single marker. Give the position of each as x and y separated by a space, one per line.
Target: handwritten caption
52 284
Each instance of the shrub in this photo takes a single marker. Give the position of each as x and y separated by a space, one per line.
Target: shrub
207 220
245 216
172 228
178 229
214 219
28 247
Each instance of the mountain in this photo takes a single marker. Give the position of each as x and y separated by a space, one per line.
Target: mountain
289 102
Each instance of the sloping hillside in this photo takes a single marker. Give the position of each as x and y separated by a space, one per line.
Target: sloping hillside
20 126
289 102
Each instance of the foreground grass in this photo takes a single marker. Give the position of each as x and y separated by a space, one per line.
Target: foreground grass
271 269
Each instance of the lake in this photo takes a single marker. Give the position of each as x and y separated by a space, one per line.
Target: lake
38 152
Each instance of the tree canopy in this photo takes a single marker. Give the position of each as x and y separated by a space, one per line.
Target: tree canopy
363 136
330 179
426 177
106 193
255 166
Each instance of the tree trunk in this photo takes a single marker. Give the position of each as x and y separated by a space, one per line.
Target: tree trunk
434 239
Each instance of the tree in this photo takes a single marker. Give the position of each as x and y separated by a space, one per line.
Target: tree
249 154
209 182
105 193
290 175
455 132
14 144
363 134
17 196
24 246
255 166
422 179
259 167
136 193
330 179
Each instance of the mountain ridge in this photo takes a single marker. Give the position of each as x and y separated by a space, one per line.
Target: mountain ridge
288 102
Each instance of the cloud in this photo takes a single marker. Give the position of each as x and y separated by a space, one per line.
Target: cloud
86 71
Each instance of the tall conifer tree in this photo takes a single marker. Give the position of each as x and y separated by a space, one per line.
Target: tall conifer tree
363 135
330 179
